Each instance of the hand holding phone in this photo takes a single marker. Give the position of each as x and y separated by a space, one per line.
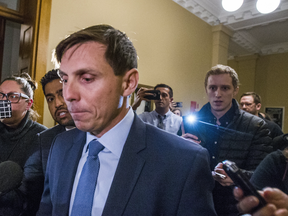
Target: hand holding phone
241 181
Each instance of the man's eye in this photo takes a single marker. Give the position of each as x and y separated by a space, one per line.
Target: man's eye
49 100
213 88
87 78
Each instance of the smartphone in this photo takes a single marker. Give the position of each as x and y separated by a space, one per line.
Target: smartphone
242 182
154 95
5 109
220 175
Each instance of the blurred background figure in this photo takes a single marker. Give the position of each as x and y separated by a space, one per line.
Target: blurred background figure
177 111
161 117
18 141
251 102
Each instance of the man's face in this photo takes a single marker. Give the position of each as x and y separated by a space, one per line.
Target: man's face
247 104
165 99
92 92
56 103
220 92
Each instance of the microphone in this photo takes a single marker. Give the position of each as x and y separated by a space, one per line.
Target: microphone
11 175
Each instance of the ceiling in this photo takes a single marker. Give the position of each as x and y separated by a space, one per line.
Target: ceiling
253 32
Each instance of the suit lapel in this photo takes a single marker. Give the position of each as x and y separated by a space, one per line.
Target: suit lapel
69 166
128 170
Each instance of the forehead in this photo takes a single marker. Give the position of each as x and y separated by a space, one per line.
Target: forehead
53 86
10 86
163 90
220 79
247 98
83 56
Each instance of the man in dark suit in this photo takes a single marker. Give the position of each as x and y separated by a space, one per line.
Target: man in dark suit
35 166
52 89
141 170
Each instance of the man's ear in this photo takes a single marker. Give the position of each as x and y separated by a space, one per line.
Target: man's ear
236 91
130 82
29 103
258 106
171 99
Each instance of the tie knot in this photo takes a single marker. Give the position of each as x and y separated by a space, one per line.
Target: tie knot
94 148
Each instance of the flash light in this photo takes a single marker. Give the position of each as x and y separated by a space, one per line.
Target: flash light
191 119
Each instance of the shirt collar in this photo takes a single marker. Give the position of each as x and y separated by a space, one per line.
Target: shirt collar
169 113
115 138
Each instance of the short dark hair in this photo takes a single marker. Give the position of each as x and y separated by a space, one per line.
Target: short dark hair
165 86
223 69
49 77
256 97
120 53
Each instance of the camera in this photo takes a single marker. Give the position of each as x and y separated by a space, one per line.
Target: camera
5 109
153 94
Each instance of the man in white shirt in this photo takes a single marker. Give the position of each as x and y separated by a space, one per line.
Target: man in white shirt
136 169
161 117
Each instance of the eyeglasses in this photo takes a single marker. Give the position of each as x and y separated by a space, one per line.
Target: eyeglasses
246 104
13 97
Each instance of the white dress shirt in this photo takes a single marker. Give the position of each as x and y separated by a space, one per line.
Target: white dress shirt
113 141
171 121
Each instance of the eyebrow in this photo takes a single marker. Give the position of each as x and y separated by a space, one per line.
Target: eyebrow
61 73
49 94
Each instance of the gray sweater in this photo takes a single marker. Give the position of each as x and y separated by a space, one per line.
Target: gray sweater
17 145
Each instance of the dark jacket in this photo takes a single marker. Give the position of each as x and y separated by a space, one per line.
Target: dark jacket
158 174
18 145
35 166
272 172
274 128
45 139
244 140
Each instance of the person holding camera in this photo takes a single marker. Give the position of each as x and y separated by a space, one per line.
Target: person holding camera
161 117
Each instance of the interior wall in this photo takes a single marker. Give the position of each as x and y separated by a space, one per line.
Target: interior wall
268 79
174 46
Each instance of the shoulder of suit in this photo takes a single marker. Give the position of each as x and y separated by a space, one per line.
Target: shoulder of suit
169 139
54 130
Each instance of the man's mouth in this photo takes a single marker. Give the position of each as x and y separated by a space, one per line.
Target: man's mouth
217 102
61 113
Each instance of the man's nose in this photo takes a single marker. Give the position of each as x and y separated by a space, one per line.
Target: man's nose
70 91
59 101
218 93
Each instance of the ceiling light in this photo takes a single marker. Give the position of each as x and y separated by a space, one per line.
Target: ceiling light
232 5
267 6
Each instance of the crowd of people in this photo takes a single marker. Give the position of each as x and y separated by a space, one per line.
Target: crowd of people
103 159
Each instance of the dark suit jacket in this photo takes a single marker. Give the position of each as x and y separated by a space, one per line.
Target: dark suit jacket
158 174
35 166
45 139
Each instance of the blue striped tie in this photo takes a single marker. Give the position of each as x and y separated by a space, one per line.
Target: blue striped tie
86 186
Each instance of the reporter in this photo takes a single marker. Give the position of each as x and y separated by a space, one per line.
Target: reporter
18 141
277 202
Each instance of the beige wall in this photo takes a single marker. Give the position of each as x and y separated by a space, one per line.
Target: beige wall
174 46
266 75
